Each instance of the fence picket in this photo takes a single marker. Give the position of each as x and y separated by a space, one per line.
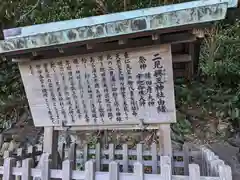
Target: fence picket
154 158
90 169
225 172
113 171
194 172
27 164
186 158
45 167
7 154
20 152
208 160
85 153
138 171
111 152
39 147
166 170
72 154
8 165
125 157
30 149
19 162
215 166
31 152
140 152
203 163
67 167
98 157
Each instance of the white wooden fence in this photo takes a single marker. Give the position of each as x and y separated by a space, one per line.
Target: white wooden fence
148 164
124 156
26 172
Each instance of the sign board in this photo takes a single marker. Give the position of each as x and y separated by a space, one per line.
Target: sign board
112 88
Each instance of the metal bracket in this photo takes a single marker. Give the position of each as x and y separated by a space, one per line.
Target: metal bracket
60 50
199 33
141 125
155 37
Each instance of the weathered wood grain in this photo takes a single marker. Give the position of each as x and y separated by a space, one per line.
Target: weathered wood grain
52 75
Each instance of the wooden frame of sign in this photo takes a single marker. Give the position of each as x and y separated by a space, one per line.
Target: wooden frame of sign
122 89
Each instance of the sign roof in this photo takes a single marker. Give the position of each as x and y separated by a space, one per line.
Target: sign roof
116 24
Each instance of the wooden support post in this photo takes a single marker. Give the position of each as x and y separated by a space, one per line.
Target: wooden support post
194 52
50 144
189 65
165 140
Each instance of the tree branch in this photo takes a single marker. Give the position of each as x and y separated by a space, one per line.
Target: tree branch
29 12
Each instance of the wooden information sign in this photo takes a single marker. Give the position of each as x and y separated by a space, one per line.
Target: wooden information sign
108 89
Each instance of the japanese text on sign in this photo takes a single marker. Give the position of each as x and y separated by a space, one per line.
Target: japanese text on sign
111 88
